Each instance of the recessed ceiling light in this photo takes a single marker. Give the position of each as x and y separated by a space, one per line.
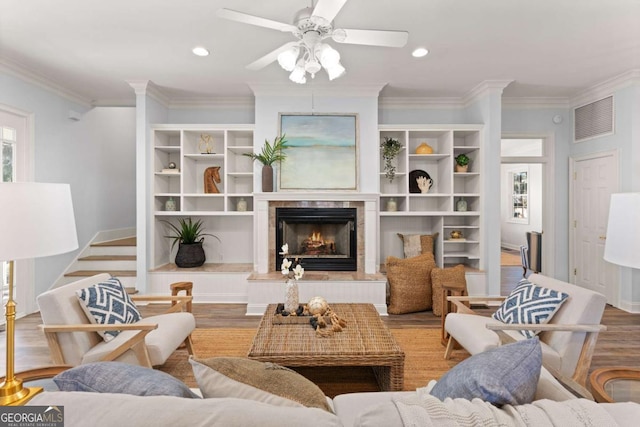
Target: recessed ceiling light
200 51
420 52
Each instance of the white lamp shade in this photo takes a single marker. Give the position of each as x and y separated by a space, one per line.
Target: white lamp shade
335 71
287 59
36 220
622 246
329 57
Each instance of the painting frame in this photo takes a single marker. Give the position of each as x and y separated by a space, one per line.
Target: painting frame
322 153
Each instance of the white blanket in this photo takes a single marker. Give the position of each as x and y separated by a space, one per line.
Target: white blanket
423 410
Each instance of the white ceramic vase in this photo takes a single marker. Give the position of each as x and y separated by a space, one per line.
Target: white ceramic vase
291 299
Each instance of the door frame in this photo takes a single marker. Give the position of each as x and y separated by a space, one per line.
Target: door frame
25 269
547 160
573 160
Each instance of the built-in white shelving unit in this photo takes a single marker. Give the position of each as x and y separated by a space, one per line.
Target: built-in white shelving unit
436 211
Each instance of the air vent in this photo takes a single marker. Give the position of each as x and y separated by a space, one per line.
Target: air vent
592 120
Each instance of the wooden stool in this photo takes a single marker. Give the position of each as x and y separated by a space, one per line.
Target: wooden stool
182 286
446 306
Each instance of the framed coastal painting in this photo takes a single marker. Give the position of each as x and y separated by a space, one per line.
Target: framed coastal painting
322 153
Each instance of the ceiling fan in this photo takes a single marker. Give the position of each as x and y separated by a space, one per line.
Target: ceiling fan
311 26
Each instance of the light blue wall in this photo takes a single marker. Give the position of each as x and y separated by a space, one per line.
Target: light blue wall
94 155
231 115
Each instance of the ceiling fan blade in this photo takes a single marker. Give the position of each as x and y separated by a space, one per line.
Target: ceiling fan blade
233 15
372 37
270 57
328 9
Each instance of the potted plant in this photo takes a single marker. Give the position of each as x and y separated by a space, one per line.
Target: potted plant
462 163
189 237
390 148
268 156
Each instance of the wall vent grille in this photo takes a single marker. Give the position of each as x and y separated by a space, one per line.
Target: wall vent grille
594 119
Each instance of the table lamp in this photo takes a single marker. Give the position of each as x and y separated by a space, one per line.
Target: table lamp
622 246
36 220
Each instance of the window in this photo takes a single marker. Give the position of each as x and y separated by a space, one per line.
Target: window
520 196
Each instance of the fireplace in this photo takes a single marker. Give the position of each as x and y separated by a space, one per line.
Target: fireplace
321 238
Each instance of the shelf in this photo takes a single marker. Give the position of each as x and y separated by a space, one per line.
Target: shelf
198 157
167 148
460 255
240 174
461 226
460 241
240 149
167 173
428 156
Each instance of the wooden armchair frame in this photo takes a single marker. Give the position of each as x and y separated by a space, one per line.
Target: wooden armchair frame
136 343
577 382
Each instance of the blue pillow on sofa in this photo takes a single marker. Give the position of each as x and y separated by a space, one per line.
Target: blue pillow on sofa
117 377
503 375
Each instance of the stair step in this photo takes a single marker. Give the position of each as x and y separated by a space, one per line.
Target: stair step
128 241
89 273
108 258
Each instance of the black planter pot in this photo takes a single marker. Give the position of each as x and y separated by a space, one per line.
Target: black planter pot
191 255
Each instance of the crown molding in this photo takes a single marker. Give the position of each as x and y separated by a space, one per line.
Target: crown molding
408 103
484 88
317 90
606 88
16 70
148 88
534 102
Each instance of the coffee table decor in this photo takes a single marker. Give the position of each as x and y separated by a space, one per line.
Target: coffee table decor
316 312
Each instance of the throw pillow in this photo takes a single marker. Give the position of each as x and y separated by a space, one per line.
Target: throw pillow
108 303
410 283
503 375
417 244
530 304
117 377
450 276
253 380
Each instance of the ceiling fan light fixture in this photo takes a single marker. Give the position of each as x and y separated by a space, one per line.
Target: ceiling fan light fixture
288 58
298 75
335 71
312 67
329 57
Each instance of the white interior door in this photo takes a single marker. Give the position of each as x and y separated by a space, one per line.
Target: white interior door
595 178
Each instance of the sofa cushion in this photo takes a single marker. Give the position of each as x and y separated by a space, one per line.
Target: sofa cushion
504 375
250 379
108 303
410 283
450 276
530 304
417 244
116 377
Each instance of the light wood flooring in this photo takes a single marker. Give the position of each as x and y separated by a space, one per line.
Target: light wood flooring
618 346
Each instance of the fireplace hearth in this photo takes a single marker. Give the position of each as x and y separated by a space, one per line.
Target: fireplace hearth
320 238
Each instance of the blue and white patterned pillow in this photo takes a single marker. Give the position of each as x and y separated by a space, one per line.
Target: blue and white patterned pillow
108 303
530 304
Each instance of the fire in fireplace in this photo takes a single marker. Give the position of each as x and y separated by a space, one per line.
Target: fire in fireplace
321 238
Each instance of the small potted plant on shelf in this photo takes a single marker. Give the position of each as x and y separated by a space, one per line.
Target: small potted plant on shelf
462 163
268 156
189 237
390 148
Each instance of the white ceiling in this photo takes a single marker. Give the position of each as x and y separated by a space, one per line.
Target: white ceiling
549 48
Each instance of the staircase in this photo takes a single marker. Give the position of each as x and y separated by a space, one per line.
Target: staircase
116 257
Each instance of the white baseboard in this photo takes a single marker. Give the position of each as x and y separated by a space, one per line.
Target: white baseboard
630 306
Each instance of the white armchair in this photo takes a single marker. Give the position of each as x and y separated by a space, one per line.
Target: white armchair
73 340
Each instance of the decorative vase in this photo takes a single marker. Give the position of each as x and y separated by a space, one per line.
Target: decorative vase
242 205
461 205
190 255
267 179
291 299
392 205
424 148
170 205
460 168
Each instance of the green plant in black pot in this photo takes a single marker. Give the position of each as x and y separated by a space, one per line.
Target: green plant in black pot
390 149
269 155
189 236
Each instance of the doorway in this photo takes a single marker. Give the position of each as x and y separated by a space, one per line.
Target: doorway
593 179
526 200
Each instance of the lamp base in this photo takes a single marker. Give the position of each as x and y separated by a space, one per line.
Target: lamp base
12 393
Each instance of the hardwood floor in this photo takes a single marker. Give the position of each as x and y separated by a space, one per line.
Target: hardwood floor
618 346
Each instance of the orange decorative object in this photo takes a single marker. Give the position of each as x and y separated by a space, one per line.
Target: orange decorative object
424 148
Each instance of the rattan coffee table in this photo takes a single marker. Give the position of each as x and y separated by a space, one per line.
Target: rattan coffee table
366 341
